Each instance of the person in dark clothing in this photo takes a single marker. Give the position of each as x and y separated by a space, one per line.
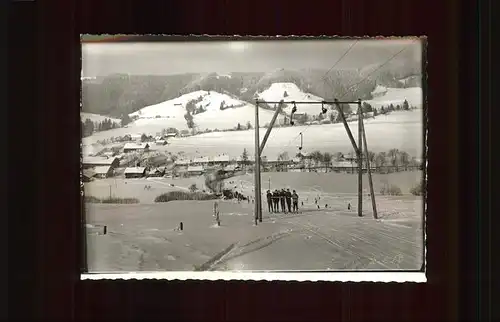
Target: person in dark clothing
276 200
295 198
282 200
288 196
269 201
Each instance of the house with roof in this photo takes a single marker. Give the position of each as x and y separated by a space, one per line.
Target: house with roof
103 172
195 170
222 159
203 161
160 142
87 175
92 162
182 162
135 147
135 172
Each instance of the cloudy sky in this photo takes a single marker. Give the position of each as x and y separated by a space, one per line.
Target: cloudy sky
163 58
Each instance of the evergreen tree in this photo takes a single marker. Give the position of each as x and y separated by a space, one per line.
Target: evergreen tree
249 125
125 119
238 127
285 94
189 119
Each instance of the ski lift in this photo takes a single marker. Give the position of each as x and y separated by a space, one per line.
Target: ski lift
294 109
323 108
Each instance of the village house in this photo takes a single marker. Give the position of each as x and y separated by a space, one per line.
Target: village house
135 172
201 161
195 170
182 162
135 147
92 162
103 172
156 172
135 137
87 175
222 160
161 142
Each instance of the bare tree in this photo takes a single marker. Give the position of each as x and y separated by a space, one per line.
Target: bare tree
393 154
327 160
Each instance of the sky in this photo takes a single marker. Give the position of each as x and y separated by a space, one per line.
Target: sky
165 58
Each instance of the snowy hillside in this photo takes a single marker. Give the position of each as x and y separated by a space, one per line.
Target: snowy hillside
97 118
386 96
291 92
171 113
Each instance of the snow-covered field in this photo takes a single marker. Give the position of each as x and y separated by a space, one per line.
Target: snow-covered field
171 113
401 130
397 96
97 117
276 92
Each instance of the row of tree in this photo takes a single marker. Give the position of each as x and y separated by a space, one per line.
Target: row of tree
394 157
88 127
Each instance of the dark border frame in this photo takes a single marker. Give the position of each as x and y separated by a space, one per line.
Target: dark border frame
46 52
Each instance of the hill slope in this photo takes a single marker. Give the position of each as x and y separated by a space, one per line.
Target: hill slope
116 95
213 111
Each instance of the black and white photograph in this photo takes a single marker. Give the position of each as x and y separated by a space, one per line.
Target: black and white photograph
230 157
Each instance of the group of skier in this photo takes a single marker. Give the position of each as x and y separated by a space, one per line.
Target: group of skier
282 201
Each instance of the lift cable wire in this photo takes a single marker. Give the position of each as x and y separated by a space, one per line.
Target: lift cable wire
327 82
353 85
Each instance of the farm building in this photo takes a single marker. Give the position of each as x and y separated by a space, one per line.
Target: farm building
92 162
156 172
160 142
203 161
195 170
135 147
222 159
135 137
103 172
135 172
171 135
182 162
87 175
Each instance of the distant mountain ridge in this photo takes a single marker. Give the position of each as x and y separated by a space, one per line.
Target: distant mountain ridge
120 94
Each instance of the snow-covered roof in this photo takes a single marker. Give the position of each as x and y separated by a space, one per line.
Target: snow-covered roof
171 135
89 173
98 160
197 168
341 164
135 170
221 158
160 141
201 160
102 169
182 162
135 146
230 167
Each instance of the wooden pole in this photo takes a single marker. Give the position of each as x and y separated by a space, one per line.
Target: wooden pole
360 161
370 181
258 208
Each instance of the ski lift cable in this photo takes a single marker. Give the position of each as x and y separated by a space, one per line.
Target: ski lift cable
324 78
355 84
